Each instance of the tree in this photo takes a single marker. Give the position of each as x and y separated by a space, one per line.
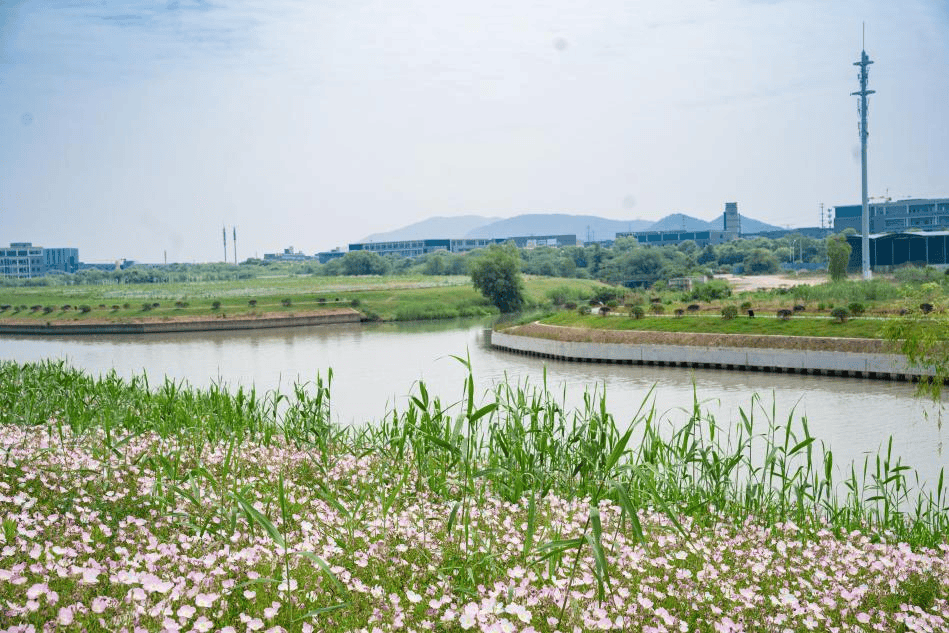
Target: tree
838 256
761 262
496 273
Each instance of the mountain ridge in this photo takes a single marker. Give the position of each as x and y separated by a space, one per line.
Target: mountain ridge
585 227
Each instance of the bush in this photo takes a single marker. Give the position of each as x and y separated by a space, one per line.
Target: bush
321 299
784 314
799 308
252 303
604 310
146 307
48 309
584 310
729 312
215 305
4 307
657 308
637 312
115 307
694 307
287 302
711 290
612 304
926 308
354 303
840 314
745 306
36 308
679 312
126 306
65 308
84 309
855 308
570 305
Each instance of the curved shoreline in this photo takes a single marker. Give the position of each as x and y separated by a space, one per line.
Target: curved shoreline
53 328
805 355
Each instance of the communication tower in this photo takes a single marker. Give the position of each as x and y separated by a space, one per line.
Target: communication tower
863 93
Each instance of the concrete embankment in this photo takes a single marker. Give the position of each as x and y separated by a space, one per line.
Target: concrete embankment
805 361
191 325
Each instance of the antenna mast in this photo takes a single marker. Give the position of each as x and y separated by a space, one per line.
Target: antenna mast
863 93
235 245
224 234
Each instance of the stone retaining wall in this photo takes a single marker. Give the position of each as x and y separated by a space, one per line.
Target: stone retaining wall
151 327
881 366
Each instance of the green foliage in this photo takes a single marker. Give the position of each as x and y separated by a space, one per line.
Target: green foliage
215 305
761 262
636 311
710 291
856 308
729 312
363 263
841 314
924 340
495 273
838 256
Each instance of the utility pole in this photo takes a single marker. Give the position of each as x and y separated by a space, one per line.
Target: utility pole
863 93
235 245
822 216
224 233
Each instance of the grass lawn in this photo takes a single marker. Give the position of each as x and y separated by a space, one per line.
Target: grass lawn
390 298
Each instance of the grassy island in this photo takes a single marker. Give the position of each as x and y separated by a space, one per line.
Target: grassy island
128 506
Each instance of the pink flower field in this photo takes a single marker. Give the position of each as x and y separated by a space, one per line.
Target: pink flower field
132 531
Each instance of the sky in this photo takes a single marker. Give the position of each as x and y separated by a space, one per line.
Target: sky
134 129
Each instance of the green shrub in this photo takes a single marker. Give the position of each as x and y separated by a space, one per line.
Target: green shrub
745 306
570 305
354 303
146 307
252 303
840 314
679 312
729 312
711 290
287 302
584 310
657 308
48 309
855 308
85 309
637 312
215 305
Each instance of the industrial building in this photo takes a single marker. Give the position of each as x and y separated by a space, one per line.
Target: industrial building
25 261
930 248
731 231
894 216
415 248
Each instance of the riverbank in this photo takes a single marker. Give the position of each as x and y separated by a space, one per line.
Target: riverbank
183 509
209 323
866 358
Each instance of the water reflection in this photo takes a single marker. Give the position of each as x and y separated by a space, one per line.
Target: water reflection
376 366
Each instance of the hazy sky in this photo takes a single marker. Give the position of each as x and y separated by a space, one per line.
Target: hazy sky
131 128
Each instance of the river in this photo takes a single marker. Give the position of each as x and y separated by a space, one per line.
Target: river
375 367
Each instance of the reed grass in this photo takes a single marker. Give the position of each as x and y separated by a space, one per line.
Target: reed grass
578 487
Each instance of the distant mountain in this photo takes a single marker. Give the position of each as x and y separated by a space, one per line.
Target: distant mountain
437 227
682 222
559 224
583 226
748 225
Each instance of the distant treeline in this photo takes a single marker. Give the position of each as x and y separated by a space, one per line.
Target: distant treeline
623 262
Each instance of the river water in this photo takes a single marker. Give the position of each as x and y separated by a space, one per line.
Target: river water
376 366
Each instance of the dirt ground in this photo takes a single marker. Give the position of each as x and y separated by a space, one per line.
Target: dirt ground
741 283
819 343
